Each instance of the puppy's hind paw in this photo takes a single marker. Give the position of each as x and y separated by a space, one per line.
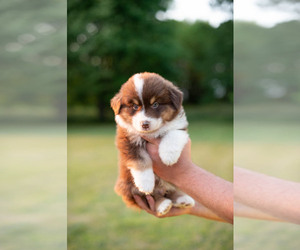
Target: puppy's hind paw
164 207
184 201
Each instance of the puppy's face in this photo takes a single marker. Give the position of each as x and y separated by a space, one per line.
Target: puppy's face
145 102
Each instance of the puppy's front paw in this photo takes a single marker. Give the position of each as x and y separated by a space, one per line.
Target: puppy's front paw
169 154
184 201
144 180
171 146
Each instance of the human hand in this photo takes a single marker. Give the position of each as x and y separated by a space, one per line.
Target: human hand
199 210
169 173
212 194
149 206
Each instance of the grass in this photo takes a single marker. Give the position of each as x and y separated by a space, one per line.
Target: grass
33 188
267 141
97 217
281 160
33 183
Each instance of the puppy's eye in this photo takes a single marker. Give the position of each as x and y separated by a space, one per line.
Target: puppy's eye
155 105
135 107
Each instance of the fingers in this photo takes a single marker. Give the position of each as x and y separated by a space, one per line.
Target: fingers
174 211
151 202
154 141
150 207
138 199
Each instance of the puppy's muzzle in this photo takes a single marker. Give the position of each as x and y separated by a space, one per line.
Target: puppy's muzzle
145 125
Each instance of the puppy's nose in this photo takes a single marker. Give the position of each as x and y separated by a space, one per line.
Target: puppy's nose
145 124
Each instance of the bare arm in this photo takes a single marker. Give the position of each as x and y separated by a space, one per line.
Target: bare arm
211 191
242 210
276 197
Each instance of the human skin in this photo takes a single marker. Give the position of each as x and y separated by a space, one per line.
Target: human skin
256 195
198 210
242 210
275 197
213 195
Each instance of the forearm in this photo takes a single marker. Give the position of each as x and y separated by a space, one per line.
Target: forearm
245 211
202 211
213 192
273 196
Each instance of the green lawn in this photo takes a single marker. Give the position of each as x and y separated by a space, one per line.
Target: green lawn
33 187
276 159
97 217
267 140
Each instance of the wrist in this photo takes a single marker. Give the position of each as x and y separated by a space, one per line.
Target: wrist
183 173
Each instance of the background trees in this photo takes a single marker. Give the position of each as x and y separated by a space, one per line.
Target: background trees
266 64
110 40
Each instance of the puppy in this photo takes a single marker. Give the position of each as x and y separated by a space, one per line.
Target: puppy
149 105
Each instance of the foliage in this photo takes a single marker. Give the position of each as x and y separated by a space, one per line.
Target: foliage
285 6
267 68
206 62
33 57
115 39
224 4
110 40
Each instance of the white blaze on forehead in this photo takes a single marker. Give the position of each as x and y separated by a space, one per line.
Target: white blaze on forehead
139 84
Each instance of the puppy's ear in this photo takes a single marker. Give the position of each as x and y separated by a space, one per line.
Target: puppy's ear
115 103
176 97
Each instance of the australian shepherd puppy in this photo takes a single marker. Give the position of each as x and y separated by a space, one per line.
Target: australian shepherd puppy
149 105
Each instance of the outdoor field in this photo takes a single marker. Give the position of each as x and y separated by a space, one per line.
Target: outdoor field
33 187
267 140
97 217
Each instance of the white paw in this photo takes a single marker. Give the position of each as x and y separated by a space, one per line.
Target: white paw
145 187
168 154
171 146
184 201
144 180
164 207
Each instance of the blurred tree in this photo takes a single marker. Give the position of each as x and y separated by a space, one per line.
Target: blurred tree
226 5
196 41
108 41
33 60
223 67
292 6
206 61
267 68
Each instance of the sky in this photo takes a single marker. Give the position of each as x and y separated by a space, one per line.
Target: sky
244 10
248 10
192 10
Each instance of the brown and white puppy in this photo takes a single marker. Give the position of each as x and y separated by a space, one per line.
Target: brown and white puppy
149 105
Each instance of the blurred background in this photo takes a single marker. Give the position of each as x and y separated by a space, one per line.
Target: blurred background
266 107
33 125
189 43
108 41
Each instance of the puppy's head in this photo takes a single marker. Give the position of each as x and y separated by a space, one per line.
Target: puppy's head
146 102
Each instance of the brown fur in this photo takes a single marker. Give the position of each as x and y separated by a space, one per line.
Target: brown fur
156 89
